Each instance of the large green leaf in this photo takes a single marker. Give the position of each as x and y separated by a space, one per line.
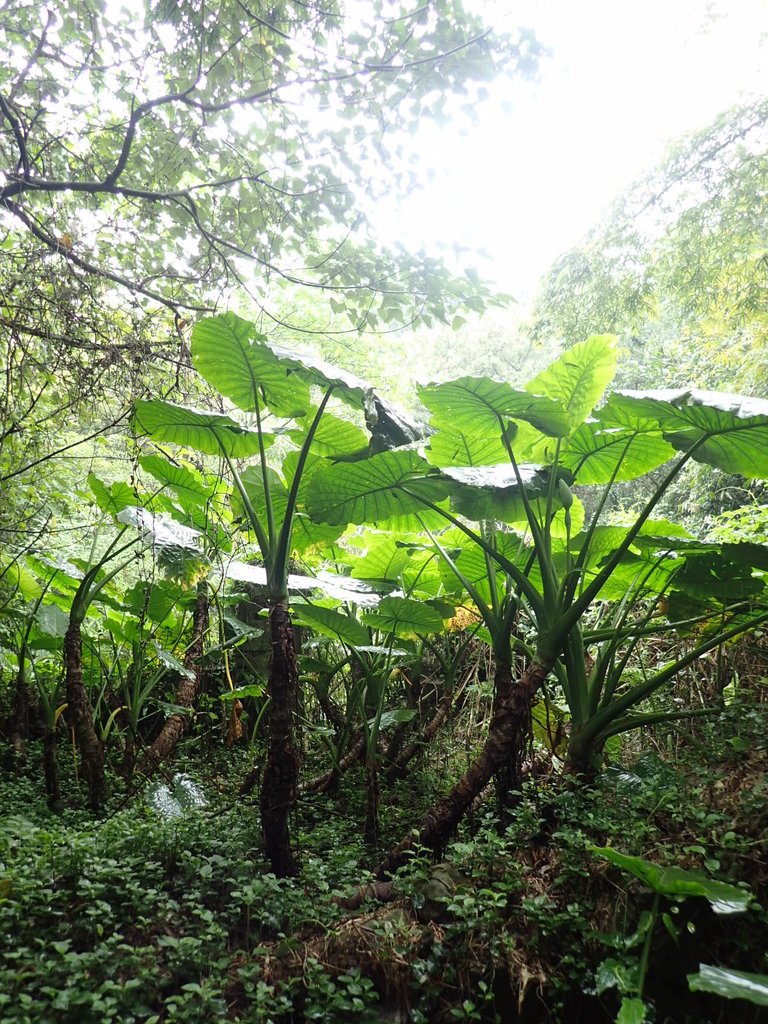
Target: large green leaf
723 430
234 357
335 438
578 379
450 447
404 617
674 881
730 984
389 484
384 559
113 498
596 454
479 406
189 485
332 623
208 432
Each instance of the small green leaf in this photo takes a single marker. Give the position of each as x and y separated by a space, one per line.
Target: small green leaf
253 690
632 1011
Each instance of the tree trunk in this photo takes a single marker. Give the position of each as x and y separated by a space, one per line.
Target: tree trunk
80 715
51 770
371 833
19 723
187 691
397 769
329 780
506 743
281 773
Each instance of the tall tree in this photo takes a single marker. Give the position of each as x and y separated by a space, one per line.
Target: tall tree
678 268
178 149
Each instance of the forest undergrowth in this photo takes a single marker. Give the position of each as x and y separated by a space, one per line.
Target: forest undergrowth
164 909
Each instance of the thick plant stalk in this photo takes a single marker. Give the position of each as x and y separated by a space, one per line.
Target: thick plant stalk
371 833
19 720
80 715
281 773
398 768
506 744
188 689
51 770
329 780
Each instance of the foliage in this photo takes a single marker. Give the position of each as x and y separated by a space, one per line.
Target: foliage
677 268
184 151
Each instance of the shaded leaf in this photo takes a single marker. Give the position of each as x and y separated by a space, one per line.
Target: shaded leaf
730 984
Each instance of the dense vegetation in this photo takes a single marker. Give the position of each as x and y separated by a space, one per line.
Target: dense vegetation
318 709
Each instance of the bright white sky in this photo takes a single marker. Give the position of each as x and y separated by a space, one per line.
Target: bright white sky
625 79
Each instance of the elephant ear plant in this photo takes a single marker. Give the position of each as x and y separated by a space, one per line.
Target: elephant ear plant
540 570
273 386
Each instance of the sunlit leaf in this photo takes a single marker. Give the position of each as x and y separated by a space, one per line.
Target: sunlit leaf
208 432
723 430
578 379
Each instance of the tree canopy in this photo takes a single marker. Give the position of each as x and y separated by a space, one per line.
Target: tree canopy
180 151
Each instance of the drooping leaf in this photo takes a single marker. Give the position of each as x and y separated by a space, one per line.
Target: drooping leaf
578 379
746 553
208 432
729 984
710 576
727 431
674 881
373 490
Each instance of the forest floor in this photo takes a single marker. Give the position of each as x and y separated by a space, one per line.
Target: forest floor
164 909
